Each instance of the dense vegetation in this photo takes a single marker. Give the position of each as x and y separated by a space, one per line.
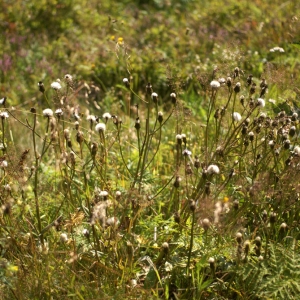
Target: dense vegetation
149 149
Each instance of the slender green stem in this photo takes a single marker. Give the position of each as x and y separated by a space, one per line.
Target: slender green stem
191 242
35 190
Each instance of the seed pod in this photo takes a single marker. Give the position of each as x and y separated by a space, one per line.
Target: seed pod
192 205
137 124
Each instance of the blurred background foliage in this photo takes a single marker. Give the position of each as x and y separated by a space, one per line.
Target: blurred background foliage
174 44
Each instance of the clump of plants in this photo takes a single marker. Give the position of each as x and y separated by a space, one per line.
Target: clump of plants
148 198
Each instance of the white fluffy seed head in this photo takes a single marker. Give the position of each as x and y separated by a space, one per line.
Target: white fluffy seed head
4 115
154 96
106 116
297 150
48 112
236 117
211 260
100 127
261 102
68 78
215 84
3 164
213 169
64 237
56 85
59 112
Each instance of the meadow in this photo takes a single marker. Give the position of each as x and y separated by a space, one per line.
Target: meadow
149 149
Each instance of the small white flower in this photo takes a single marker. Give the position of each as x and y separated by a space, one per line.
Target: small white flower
178 137
103 194
7 187
106 116
91 118
3 164
100 127
222 81
160 113
133 283
186 152
59 112
168 267
263 115
261 102
125 80
154 96
296 151
85 232
113 221
2 101
277 49
44 248
211 260
48 112
56 85
68 78
64 237
213 169
205 224
173 95
4 115
236 117
215 84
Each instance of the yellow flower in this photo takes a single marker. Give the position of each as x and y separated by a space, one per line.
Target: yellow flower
226 199
120 41
112 38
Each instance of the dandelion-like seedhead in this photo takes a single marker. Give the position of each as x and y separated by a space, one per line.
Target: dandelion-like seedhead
205 224
296 151
4 115
277 49
186 152
168 267
64 237
261 102
48 112
68 78
211 260
222 81
85 232
179 138
160 116
100 127
2 101
106 116
237 87
91 118
236 117
56 85
154 97
215 84
212 169
59 112
3 164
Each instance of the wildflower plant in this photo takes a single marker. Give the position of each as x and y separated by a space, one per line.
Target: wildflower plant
170 183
